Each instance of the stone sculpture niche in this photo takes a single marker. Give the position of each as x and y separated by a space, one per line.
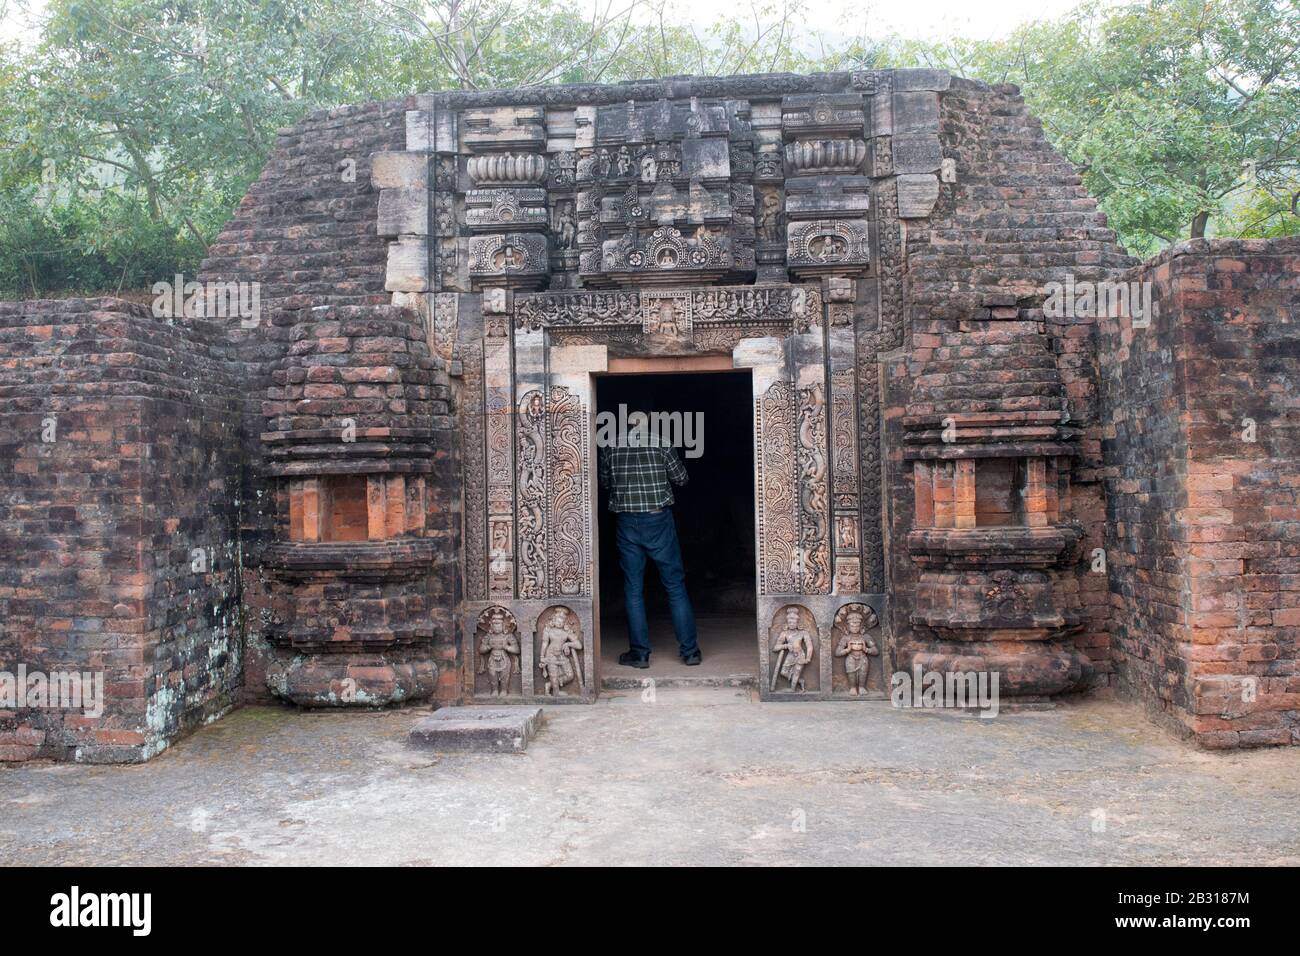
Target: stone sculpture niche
496 644
793 644
560 653
855 637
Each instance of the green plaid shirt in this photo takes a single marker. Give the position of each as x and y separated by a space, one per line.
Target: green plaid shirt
638 478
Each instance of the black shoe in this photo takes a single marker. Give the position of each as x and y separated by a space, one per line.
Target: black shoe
629 659
691 659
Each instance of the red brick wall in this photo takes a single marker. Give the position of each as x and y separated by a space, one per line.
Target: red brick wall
1203 525
99 527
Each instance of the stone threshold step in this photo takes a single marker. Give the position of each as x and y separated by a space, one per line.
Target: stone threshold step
630 682
486 729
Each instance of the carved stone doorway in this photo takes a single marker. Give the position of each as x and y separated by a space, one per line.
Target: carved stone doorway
531 363
711 412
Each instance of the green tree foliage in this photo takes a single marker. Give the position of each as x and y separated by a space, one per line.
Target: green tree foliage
130 128
1184 115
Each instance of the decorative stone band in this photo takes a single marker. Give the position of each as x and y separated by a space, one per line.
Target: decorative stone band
335 451
998 547
507 169
350 560
760 305
1042 434
815 156
496 209
1002 606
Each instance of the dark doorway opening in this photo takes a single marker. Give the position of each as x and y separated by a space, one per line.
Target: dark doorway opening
714 514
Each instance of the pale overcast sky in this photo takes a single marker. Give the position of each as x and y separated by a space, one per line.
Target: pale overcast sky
933 19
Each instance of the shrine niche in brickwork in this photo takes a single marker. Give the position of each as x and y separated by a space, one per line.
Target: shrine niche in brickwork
793 646
497 652
855 637
560 654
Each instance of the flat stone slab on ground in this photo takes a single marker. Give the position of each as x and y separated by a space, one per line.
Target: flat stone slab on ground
477 729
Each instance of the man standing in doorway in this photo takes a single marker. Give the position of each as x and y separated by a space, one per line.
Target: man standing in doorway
639 473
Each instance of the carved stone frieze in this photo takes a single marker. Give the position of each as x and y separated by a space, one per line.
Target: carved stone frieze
514 259
474 462
778 504
824 245
569 511
531 495
753 305
844 434
780 306
814 510
512 208
665 251
802 115
562 309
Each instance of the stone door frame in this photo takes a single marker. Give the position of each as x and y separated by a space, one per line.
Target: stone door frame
529 366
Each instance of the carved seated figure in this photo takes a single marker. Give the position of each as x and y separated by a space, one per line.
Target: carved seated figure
856 648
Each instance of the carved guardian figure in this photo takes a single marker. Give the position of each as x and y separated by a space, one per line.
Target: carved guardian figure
560 653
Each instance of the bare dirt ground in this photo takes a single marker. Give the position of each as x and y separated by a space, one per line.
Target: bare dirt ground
707 776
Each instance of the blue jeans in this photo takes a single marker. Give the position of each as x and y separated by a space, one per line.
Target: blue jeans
642 535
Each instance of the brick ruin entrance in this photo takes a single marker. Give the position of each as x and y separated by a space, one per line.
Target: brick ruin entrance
759 226
384 491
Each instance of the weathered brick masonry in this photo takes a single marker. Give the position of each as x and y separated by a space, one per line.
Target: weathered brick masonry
307 232
1202 442
119 534
873 247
